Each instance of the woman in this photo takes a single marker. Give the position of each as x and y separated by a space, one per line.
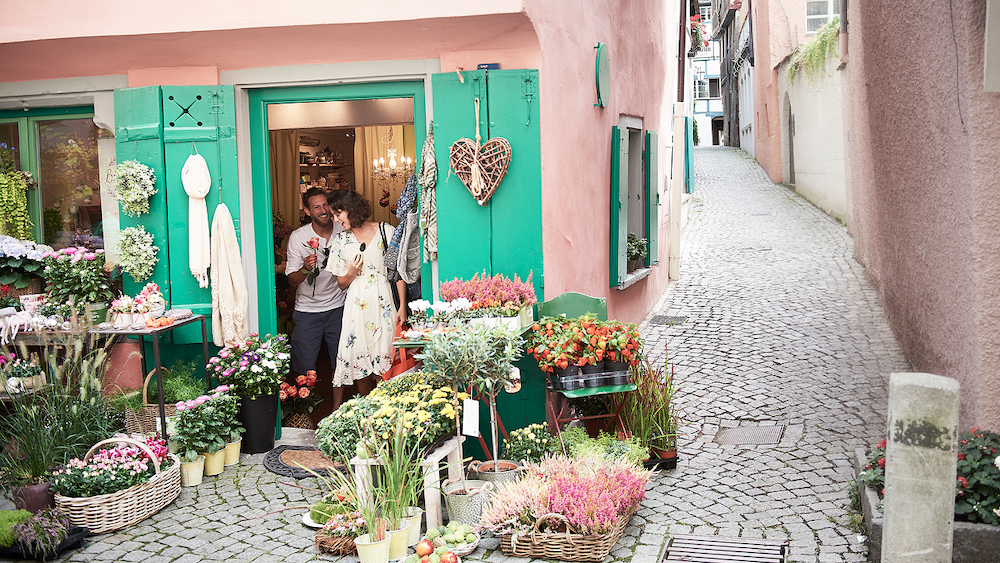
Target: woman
370 316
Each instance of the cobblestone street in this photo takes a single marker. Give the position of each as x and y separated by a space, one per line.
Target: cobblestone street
771 323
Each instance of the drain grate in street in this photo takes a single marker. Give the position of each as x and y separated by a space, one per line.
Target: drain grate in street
715 549
743 435
665 320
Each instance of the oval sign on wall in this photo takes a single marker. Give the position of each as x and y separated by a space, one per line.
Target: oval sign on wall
603 75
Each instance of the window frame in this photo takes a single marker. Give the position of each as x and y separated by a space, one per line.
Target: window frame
832 11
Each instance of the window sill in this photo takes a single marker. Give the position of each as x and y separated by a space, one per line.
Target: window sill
634 277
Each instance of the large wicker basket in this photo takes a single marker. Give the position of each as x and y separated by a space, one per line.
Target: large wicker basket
144 420
561 546
121 509
335 545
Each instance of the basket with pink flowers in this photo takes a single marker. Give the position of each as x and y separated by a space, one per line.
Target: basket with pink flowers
298 400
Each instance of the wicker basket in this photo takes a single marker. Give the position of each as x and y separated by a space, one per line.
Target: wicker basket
562 546
144 420
121 509
299 420
335 545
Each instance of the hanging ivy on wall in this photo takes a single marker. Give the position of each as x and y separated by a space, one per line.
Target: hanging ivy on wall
14 184
811 58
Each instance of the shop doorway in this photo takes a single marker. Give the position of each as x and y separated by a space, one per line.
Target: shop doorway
358 137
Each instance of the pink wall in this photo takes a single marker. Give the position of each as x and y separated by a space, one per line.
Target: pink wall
922 170
167 46
778 29
576 137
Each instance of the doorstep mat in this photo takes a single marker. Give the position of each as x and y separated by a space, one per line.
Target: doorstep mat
290 460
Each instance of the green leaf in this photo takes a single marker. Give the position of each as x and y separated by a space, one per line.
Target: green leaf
8 278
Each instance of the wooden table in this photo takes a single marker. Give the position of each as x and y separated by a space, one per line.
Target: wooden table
450 450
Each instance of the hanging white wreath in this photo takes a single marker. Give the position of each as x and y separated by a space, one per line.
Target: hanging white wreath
135 183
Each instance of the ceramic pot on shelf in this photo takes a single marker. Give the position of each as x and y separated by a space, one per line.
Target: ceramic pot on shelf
500 471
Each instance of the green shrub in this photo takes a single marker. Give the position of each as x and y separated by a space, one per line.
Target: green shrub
179 384
9 519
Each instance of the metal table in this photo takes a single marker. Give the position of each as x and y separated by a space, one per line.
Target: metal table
155 334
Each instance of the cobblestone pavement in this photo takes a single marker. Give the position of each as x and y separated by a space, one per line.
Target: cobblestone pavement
782 328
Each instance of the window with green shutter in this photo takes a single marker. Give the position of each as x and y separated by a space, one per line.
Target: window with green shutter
634 198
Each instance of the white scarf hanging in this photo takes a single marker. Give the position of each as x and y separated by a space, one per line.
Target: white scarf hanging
229 286
197 182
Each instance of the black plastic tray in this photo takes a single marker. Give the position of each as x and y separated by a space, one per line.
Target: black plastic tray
74 539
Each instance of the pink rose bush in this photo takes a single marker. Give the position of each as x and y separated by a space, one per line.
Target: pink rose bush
593 493
110 470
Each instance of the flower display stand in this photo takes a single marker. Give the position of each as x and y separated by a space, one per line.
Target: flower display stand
450 450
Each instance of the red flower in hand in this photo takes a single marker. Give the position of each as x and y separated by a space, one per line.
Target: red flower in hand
313 243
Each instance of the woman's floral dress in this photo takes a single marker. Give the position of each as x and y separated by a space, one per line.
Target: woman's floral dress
368 331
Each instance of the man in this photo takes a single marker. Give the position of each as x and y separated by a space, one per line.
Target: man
319 301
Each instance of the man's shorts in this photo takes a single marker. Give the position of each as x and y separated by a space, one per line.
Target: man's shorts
310 331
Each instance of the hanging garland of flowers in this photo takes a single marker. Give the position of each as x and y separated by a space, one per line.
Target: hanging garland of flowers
137 253
135 183
14 184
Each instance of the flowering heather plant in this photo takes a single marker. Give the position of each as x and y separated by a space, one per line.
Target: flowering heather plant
593 493
109 470
345 525
493 295
300 397
77 273
254 367
42 533
137 253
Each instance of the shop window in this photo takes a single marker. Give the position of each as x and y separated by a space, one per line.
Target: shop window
60 148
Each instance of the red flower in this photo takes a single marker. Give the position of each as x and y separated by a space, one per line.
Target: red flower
313 243
881 463
881 444
961 455
964 482
282 395
303 392
5 288
301 380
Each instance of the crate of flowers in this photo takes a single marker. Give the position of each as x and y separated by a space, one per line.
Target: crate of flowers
566 509
115 487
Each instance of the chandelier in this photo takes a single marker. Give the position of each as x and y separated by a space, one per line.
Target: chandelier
387 167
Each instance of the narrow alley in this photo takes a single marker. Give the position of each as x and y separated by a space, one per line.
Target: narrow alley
771 323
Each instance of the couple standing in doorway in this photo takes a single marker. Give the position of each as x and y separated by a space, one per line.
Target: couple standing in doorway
342 290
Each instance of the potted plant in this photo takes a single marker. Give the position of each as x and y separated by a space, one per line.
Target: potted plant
137 253
134 184
201 431
14 186
254 370
648 412
635 251
21 263
502 349
78 275
298 401
494 296
531 443
228 407
43 535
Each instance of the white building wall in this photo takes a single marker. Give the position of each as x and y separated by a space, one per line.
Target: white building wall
745 84
818 138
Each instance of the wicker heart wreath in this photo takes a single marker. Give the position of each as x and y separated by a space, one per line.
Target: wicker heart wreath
481 167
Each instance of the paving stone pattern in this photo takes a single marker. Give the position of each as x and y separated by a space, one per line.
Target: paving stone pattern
782 327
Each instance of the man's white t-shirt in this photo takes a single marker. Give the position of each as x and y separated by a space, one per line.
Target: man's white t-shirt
327 294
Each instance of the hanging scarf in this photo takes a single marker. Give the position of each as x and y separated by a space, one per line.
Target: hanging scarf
428 204
197 182
229 285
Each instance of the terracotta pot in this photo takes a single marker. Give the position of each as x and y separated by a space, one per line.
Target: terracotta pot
596 425
33 498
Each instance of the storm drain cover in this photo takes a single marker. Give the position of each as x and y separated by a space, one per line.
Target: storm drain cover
750 435
665 320
715 549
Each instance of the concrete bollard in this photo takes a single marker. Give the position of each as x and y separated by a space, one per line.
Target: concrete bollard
920 468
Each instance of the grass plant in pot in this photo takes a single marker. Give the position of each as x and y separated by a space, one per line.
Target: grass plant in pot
648 412
254 370
44 430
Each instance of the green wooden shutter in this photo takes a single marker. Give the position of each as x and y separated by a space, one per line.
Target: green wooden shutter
688 155
650 158
515 208
201 118
464 227
619 204
161 127
139 136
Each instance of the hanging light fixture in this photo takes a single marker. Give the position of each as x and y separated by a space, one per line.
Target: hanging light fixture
387 167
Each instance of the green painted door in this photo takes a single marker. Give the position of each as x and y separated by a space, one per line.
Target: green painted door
505 235
161 127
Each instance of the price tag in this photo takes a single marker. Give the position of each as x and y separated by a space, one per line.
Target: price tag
470 417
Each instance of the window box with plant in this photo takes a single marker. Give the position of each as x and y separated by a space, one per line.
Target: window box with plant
636 249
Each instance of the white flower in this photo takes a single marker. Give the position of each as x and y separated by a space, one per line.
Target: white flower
461 304
256 368
419 305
